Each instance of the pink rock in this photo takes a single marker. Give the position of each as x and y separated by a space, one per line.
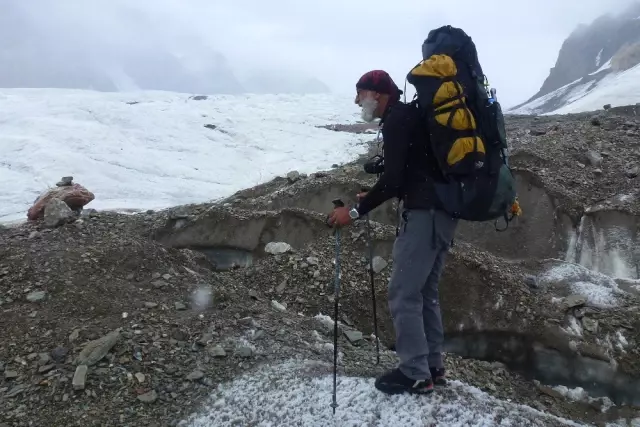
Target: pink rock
75 196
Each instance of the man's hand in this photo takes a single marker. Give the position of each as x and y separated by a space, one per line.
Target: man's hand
340 217
361 196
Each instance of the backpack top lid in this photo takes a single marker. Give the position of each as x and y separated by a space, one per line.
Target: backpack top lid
453 42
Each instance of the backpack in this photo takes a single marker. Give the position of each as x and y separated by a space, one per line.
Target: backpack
466 128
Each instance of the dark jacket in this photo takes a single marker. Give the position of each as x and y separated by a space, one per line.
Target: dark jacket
408 167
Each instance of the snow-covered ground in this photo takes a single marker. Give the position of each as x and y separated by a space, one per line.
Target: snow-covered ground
617 89
157 152
589 94
291 395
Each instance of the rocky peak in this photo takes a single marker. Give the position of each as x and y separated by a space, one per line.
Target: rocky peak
591 52
589 47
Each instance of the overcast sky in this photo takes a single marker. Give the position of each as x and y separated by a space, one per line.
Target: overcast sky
518 41
336 40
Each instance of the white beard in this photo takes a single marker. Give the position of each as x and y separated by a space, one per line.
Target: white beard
369 106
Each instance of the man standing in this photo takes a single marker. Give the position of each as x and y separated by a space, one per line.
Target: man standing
425 234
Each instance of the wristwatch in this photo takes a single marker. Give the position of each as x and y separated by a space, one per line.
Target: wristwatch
353 213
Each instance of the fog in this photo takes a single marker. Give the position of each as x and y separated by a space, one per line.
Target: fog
232 46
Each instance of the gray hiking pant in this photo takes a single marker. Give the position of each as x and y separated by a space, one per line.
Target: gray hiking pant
418 261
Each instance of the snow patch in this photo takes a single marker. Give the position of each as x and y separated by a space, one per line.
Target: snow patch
597 296
300 394
599 57
574 327
605 66
325 320
573 394
622 341
579 394
599 289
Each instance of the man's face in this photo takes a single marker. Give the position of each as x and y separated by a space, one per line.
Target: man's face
369 101
362 94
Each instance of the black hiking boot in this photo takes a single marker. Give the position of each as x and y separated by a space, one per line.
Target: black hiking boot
438 376
395 382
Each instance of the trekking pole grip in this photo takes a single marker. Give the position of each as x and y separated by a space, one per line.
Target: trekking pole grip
337 203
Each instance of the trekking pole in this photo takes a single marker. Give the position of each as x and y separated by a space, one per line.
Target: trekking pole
336 203
371 276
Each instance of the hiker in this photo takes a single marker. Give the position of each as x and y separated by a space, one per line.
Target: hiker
445 156
423 239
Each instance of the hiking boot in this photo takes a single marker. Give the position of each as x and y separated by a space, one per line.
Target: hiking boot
438 376
395 382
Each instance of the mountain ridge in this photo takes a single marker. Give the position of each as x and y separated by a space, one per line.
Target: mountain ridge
590 58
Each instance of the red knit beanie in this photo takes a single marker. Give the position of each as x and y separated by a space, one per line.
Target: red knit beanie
379 81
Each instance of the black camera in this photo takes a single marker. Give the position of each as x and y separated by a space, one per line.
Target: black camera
375 165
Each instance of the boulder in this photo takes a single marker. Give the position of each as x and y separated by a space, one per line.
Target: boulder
75 196
56 213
